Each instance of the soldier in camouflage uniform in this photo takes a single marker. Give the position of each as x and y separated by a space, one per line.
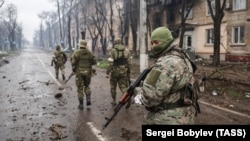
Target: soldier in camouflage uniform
59 59
82 61
119 69
161 89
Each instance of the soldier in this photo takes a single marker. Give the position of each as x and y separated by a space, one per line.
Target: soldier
82 61
163 87
59 59
120 68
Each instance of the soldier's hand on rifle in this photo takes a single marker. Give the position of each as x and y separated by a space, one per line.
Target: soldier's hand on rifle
138 99
138 96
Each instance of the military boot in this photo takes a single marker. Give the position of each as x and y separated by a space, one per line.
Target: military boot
88 99
63 77
114 100
80 104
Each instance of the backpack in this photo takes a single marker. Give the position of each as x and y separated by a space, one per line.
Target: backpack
120 60
60 57
191 92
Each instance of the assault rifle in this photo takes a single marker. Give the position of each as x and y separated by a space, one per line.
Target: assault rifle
69 77
126 97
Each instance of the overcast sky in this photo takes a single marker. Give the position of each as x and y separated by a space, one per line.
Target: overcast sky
28 11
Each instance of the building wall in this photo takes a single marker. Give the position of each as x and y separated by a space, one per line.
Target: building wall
202 22
237 18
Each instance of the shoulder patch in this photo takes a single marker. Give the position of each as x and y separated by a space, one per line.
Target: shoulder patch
153 77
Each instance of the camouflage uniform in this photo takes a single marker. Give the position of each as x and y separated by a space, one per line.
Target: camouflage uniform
160 93
82 61
119 67
59 58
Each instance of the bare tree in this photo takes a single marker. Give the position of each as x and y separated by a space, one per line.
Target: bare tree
60 15
69 9
99 22
75 13
59 19
85 11
48 22
217 16
55 29
94 36
110 22
19 36
111 30
11 23
1 3
42 16
122 9
186 6
133 14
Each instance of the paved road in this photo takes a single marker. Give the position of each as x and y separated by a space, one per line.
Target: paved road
30 111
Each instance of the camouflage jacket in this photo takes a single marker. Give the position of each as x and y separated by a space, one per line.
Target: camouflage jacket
162 85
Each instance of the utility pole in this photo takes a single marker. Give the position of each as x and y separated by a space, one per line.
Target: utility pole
142 36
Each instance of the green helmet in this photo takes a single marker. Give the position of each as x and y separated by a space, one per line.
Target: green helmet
117 41
163 35
58 47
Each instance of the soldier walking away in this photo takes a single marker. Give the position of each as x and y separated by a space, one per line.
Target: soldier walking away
59 59
164 92
82 61
119 69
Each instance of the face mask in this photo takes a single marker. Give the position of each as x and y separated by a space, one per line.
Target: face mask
160 47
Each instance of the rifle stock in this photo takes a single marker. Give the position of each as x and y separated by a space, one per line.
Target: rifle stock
127 96
69 77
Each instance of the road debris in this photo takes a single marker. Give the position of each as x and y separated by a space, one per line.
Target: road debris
57 130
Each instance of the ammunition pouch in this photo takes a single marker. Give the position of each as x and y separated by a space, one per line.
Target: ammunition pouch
120 62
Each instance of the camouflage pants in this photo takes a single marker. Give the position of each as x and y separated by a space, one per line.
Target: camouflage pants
176 116
61 67
82 83
118 78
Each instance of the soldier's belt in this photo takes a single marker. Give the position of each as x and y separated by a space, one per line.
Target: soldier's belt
165 107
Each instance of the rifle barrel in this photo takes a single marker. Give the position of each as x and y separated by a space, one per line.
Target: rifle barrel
127 96
118 107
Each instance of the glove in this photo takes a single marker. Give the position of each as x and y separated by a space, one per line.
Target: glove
51 64
137 99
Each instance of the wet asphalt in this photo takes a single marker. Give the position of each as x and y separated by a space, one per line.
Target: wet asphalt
36 106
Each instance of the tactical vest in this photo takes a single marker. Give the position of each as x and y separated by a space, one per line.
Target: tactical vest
120 60
84 60
60 57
